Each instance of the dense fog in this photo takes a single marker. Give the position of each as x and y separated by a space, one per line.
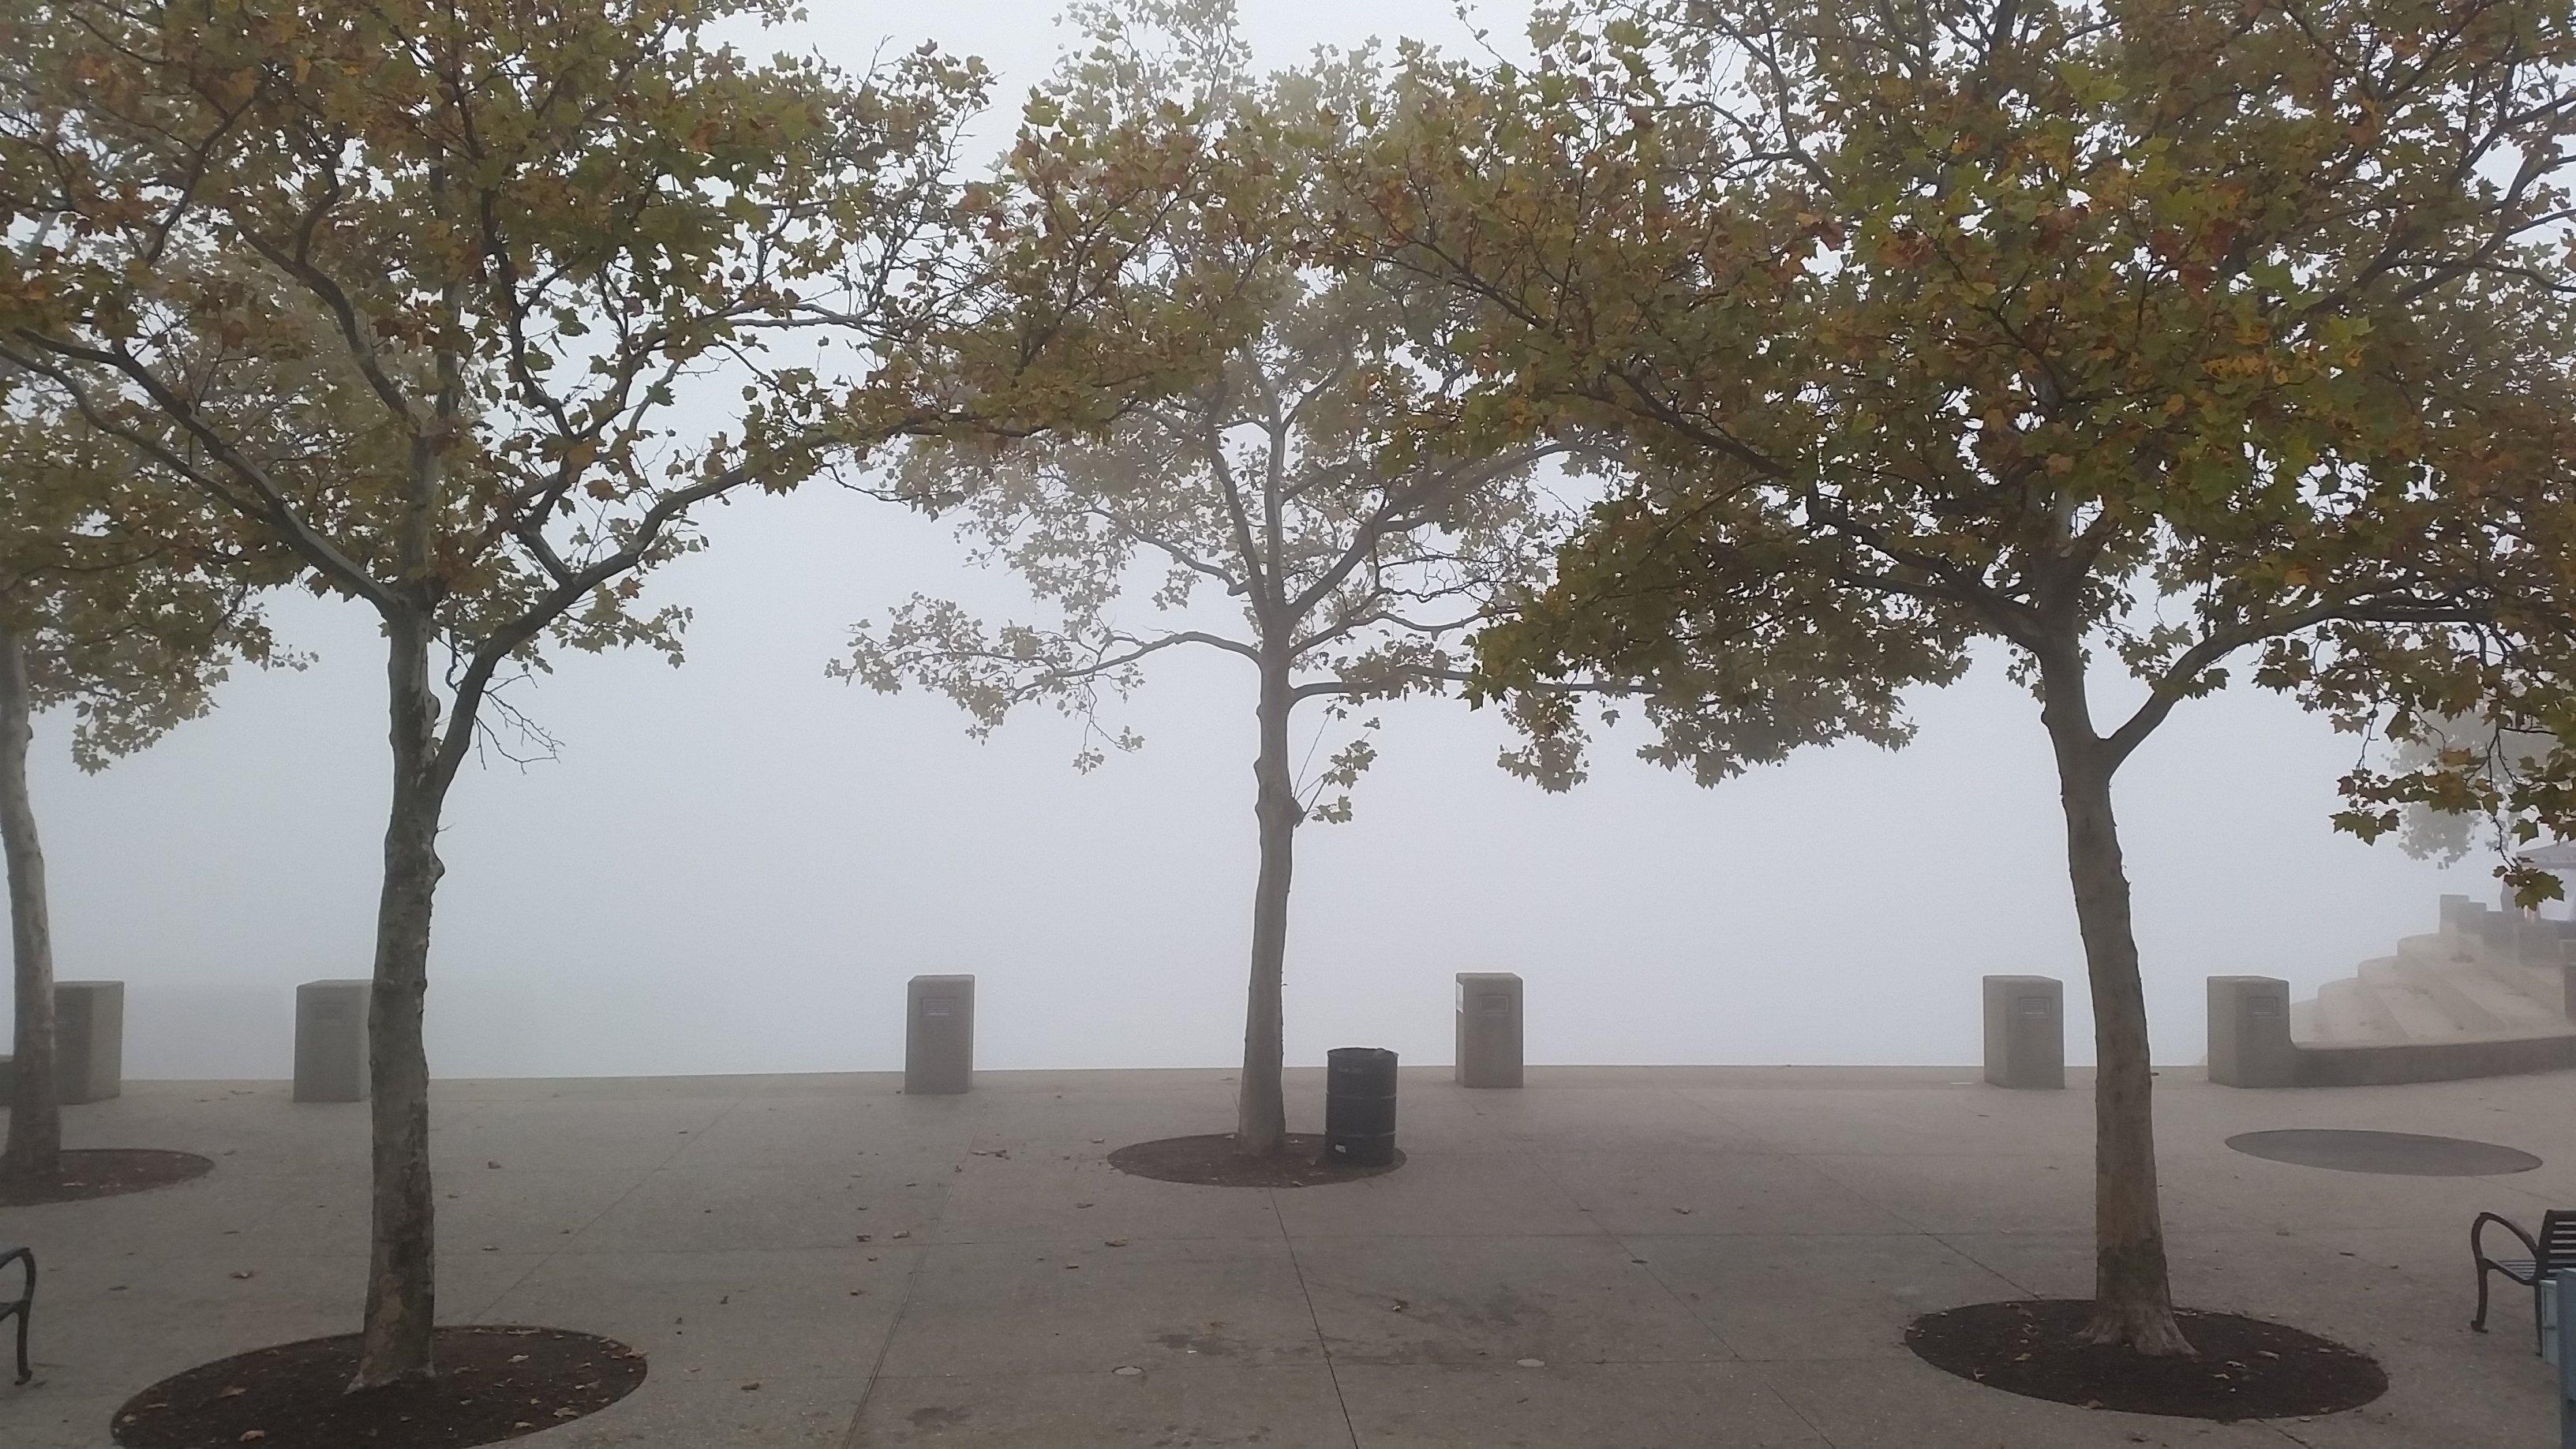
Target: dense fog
733 867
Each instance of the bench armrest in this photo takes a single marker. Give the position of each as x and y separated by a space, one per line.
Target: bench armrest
2479 1252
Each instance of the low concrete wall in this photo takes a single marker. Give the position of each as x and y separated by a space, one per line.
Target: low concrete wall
2431 1061
2250 1046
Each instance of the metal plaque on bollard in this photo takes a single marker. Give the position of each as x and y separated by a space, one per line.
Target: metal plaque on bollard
1489 1029
2026 1032
1359 1106
939 1035
331 1041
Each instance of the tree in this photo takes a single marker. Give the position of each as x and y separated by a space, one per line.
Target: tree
1267 467
2495 759
111 607
514 248
2153 335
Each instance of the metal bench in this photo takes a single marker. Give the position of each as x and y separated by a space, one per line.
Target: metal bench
19 1309
2553 1250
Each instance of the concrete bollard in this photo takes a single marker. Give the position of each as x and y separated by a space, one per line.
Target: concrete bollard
2249 1032
331 1041
1489 1029
2026 1032
89 1040
89 1044
939 1035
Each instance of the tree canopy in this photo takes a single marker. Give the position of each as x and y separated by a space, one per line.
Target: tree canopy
128 607
1287 492
511 252
2160 335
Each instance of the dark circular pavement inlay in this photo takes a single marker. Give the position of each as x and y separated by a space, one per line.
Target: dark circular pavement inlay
2402 1154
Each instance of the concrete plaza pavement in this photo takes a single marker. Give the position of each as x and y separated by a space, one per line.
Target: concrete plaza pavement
1621 1257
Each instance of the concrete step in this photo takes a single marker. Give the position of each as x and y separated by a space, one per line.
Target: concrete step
2442 950
2471 1006
2531 997
2349 1011
2545 987
2446 986
2419 1015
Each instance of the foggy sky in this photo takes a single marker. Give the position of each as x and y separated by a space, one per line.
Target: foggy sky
734 866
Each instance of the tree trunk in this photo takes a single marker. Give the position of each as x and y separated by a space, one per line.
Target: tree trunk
2132 1294
34 1153
401 1278
1261 1114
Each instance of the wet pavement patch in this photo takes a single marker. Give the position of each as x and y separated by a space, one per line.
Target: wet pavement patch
2246 1368
2400 1154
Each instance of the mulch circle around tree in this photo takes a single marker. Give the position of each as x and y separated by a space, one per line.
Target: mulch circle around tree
1212 1162
493 1383
2247 1368
106 1172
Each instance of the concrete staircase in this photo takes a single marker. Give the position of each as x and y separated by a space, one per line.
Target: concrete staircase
2475 980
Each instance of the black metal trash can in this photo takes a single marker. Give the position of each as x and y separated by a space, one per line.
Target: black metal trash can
1359 1106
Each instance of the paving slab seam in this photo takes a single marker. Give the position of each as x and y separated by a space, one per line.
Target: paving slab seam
1720 1339
2018 1286
894 1329
596 1218
1622 1241
1322 1345
876 1370
1718 1111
